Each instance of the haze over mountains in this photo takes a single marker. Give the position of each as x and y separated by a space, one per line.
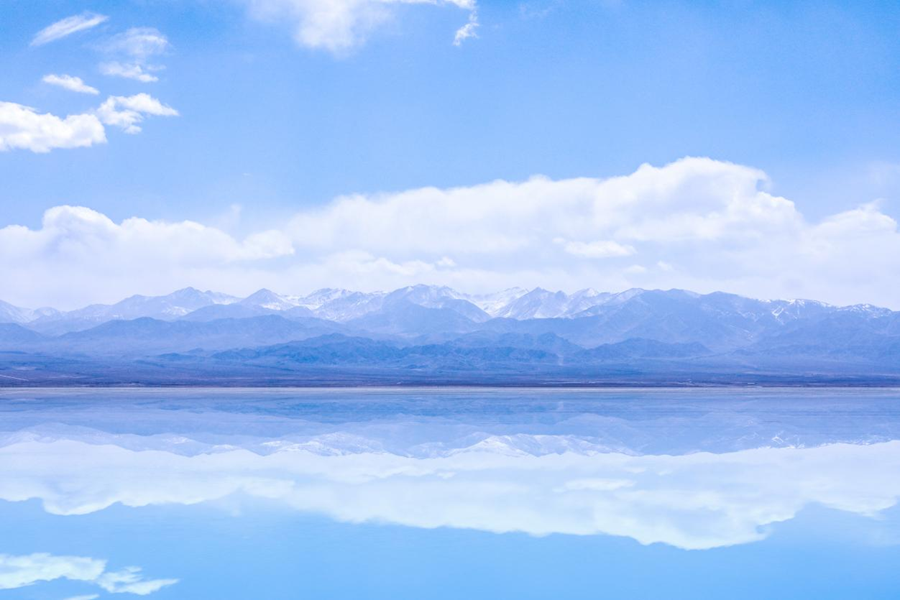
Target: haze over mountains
427 334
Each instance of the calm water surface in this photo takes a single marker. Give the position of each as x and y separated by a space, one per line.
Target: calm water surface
474 493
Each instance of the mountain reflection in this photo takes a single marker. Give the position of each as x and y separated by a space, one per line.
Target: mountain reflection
693 469
693 501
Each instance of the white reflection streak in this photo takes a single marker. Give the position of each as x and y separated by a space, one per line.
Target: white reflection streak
693 501
26 570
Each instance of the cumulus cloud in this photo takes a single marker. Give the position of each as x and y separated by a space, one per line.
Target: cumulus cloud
127 112
340 25
67 27
68 82
26 570
88 249
689 200
696 223
71 233
22 127
692 501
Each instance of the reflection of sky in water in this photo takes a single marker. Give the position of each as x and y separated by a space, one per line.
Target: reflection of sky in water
447 494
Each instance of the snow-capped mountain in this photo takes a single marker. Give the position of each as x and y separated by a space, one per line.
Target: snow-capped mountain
717 320
270 300
320 298
492 304
15 314
169 307
419 333
543 304
428 296
342 305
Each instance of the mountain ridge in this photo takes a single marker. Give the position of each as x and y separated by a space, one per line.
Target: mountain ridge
428 334
514 303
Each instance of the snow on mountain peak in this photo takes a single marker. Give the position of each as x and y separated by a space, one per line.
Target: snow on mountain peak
492 304
342 305
268 299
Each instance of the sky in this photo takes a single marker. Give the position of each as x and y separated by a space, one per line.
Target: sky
743 146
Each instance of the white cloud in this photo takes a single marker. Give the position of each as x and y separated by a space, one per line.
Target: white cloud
715 220
598 249
68 82
693 199
127 71
80 245
130 581
75 232
127 112
136 47
22 571
697 224
692 501
22 127
140 43
468 30
340 25
66 27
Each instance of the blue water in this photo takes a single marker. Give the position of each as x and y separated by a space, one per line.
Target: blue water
411 494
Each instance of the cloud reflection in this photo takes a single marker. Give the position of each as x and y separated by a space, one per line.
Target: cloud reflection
692 501
26 570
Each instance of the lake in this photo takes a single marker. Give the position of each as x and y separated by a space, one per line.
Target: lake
449 493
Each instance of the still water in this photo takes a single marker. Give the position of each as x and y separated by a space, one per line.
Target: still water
462 493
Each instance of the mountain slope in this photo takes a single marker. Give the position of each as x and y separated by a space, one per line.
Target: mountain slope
12 314
147 336
168 307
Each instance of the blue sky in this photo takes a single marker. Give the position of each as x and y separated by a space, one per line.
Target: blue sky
280 113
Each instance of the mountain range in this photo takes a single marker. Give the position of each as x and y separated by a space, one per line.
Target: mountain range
431 335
